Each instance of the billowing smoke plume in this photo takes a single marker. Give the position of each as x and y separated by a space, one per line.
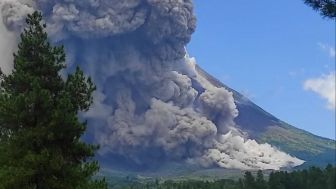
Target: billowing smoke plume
15 12
151 104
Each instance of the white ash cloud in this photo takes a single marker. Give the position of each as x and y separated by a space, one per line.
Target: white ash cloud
12 15
152 105
14 12
7 46
232 151
166 24
218 105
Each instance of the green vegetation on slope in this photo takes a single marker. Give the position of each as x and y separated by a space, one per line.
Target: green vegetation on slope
312 178
292 139
313 149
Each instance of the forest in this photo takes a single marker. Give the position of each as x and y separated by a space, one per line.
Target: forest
311 178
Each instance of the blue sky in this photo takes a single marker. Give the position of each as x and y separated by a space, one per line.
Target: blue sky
267 50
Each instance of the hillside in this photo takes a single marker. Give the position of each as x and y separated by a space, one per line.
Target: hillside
266 128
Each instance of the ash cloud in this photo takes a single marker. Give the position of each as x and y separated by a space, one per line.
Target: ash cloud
152 105
7 46
13 12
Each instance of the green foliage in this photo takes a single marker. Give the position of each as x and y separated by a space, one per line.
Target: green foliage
312 178
327 8
260 181
40 146
318 151
249 181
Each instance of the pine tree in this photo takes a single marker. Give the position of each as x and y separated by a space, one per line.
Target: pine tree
327 8
330 176
275 181
40 146
260 181
249 181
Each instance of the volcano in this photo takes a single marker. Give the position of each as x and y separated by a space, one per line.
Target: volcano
256 124
154 107
262 126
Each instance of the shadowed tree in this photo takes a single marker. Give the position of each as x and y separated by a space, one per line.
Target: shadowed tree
260 181
40 146
327 8
330 175
249 181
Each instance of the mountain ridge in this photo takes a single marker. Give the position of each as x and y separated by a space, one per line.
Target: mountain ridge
264 127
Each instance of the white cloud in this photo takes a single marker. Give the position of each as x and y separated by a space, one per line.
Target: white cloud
329 49
323 86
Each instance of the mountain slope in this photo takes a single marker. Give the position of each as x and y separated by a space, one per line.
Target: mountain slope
266 128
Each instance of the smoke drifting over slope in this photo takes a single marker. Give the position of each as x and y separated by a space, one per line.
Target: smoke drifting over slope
151 104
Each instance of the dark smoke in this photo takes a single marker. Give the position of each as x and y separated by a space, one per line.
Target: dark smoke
151 104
